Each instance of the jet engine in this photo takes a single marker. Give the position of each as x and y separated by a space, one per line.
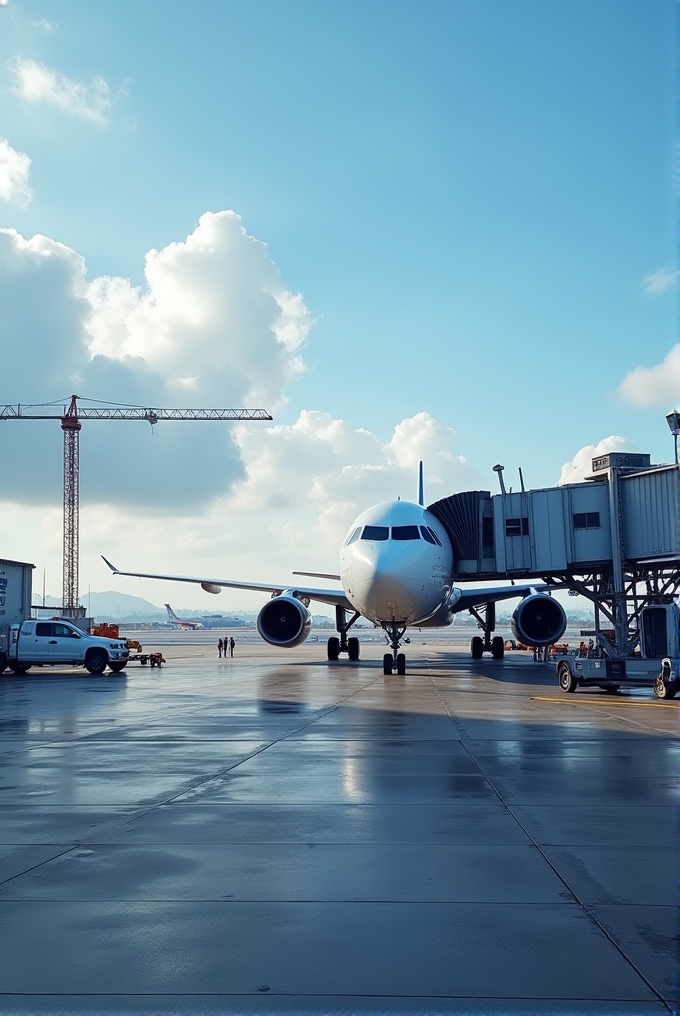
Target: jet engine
284 621
538 620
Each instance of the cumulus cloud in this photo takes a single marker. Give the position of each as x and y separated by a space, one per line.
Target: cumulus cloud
213 325
14 169
581 464
660 280
654 386
34 82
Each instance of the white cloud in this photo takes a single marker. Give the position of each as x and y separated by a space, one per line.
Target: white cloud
35 82
44 25
660 280
213 325
581 464
14 169
654 386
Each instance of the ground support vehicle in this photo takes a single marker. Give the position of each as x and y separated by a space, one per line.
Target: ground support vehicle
58 643
655 665
611 674
153 659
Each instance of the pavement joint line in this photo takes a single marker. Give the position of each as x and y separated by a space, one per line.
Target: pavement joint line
576 898
149 809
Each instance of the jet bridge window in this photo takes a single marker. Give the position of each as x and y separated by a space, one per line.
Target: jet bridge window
517 527
586 520
405 533
375 533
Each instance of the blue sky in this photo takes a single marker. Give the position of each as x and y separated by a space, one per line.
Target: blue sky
468 195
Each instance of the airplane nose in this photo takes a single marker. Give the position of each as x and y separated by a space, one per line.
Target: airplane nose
385 587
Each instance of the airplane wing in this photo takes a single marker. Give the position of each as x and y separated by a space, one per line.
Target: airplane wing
335 597
476 597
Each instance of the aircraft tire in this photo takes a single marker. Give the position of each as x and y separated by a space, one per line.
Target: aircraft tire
476 647
567 680
401 664
353 648
388 661
333 647
497 647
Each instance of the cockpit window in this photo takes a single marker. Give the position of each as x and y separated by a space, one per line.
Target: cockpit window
353 536
375 533
405 533
427 535
436 538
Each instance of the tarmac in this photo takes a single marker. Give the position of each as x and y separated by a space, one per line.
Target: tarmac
276 834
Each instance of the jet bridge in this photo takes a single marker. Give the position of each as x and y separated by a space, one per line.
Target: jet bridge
614 539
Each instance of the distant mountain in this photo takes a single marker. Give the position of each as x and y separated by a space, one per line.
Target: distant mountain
114 606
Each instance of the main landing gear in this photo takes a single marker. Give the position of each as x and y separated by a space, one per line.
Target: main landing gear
487 622
343 644
395 661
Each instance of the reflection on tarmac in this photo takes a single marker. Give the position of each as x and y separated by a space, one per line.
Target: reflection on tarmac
442 842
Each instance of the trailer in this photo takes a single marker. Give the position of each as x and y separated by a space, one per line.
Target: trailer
657 665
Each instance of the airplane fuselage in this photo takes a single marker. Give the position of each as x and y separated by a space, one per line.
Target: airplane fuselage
396 564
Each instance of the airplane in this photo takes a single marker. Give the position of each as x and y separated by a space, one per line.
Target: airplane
175 621
396 567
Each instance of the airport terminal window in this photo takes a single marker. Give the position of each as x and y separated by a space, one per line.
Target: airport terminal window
517 527
375 533
353 537
405 533
586 520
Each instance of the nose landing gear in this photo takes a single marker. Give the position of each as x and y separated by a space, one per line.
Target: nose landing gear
394 661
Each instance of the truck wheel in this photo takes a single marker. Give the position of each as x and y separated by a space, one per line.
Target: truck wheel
567 680
20 668
96 661
663 690
117 667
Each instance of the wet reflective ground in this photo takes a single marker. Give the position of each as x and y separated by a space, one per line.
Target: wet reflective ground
274 833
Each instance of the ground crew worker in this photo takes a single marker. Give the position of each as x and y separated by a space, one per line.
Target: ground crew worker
232 643
220 646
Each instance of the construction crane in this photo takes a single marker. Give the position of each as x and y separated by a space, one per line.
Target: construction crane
70 425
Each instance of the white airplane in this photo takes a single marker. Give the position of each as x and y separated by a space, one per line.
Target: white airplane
396 565
176 622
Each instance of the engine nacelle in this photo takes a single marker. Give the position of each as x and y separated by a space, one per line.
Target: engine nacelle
284 621
538 620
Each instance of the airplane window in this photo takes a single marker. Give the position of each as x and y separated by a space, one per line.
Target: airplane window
375 533
353 537
405 533
436 538
427 535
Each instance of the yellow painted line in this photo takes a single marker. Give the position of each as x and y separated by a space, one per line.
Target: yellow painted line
608 702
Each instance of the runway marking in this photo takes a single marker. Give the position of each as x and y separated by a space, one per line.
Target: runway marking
607 702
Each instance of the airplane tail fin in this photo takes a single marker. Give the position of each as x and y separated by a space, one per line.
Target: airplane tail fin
421 493
171 614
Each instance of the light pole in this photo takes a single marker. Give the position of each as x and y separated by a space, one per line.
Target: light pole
673 421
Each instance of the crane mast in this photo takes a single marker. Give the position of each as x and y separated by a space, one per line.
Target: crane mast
71 425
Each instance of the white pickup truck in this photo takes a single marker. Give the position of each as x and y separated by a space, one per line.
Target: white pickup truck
33 643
